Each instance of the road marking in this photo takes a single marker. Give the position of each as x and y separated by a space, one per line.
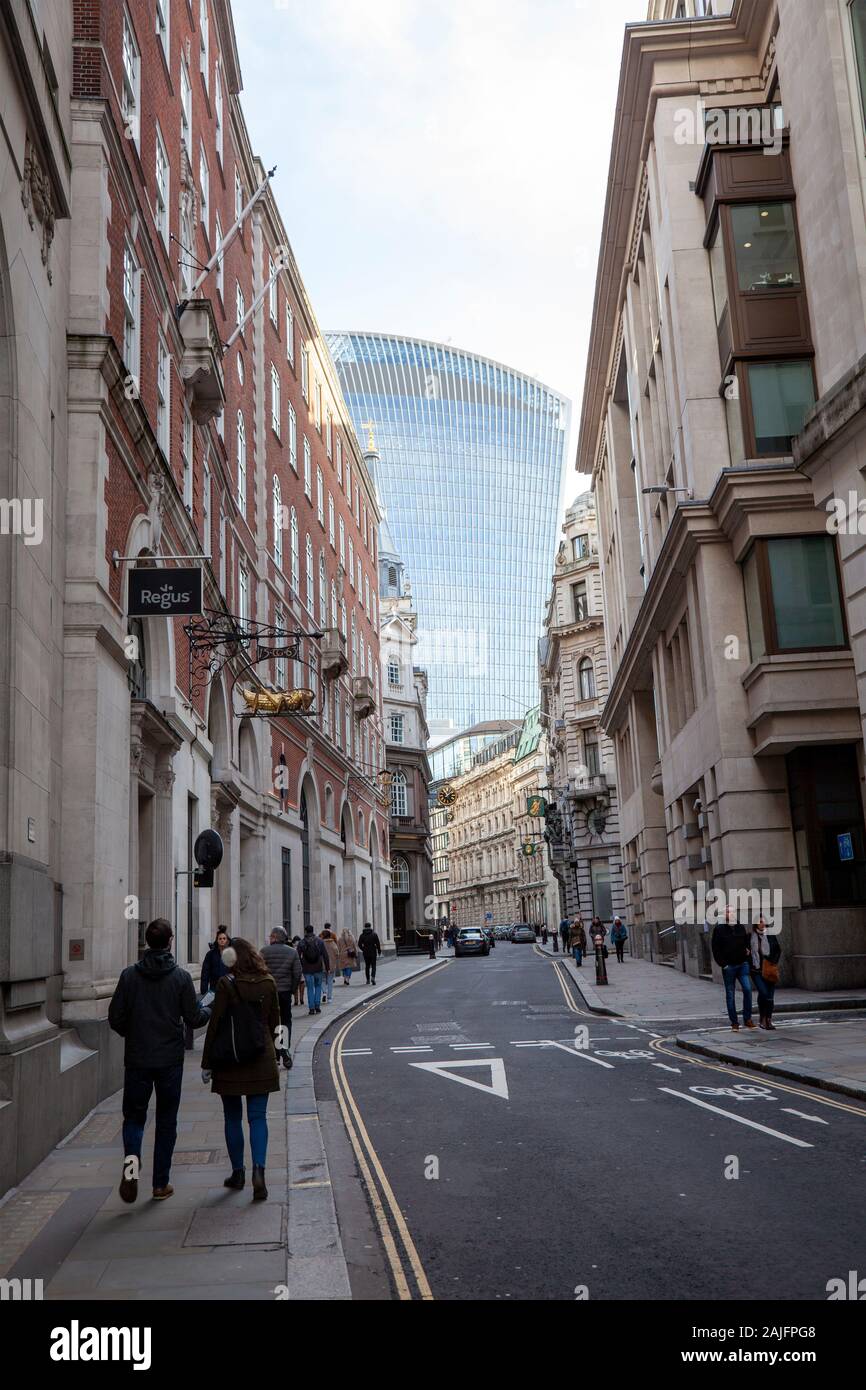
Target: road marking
357 1051
581 1052
664 1067
815 1118
464 1047
411 1049
740 1119
498 1085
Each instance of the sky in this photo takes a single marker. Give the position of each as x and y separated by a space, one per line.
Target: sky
442 166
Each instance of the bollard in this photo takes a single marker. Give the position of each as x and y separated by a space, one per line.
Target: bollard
600 967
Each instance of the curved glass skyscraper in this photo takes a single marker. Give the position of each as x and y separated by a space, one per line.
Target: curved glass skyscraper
469 472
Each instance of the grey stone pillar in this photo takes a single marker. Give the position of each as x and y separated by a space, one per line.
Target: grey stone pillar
163 857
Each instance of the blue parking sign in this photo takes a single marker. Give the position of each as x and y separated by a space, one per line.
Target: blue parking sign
846 845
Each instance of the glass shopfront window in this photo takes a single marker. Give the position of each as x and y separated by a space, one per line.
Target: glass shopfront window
765 245
782 395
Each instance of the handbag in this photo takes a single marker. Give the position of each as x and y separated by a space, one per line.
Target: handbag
769 971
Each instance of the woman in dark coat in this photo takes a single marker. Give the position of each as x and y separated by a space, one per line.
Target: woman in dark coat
213 968
248 975
764 953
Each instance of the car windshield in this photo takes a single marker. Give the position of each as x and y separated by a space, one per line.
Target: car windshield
473 931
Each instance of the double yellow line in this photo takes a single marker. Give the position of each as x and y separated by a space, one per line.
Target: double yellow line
409 1277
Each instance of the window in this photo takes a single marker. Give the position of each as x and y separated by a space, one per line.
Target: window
782 394
308 469
278 522
276 410
131 85
586 677
339 461
579 600
281 672
351 562
163 405
349 750
333 605
342 543
765 246
296 560
162 24
399 875
243 594
580 547
323 590
399 796
792 596
329 435
305 375
293 438
204 187
343 623
239 193
394 673
131 294
354 645
311 585
205 509
188 437
366 535
349 480
330 518
242 464
185 111
290 335
218 239
273 293
359 578
240 304
395 728
320 496
222 551
367 594
319 418
218 112
203 39
358 504
162 188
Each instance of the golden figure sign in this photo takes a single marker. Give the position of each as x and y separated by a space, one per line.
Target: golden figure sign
277 701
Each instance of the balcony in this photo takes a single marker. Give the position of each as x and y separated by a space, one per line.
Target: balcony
585 787
201 365
365 698
332 650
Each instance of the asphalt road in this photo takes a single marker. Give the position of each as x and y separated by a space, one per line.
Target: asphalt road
606 1166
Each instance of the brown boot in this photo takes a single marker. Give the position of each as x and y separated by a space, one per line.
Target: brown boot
162 1194
749 1023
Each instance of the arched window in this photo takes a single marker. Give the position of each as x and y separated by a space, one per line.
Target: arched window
323 590
399 796
399 875
587 679
278 523
393 671
333 604
310 581
296 562
242 464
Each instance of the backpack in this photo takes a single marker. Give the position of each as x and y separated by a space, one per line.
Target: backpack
310 954
240 1037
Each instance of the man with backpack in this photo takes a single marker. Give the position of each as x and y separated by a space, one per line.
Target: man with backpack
284 964
314 961
153 1001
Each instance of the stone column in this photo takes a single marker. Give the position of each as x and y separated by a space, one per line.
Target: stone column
163 857
136 752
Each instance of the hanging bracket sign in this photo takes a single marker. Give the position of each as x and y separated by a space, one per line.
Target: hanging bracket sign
165 592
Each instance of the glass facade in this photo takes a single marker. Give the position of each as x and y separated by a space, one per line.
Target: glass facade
471 457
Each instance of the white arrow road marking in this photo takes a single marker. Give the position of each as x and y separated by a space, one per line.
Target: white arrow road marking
803 1116
665 1067
581 1052
498 1084
740 1119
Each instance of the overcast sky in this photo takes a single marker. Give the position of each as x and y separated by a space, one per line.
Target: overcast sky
442 165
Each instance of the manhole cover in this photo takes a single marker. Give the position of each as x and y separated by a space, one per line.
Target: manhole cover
255 1223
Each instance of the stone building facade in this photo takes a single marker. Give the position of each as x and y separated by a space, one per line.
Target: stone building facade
172 396
733 613
583 828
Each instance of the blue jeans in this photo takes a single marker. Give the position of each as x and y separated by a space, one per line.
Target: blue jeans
328 986
138 1085
730 975
257 1119
314 988
578 955
766 994
347 973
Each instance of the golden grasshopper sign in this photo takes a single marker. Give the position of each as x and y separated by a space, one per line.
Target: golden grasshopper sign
536 806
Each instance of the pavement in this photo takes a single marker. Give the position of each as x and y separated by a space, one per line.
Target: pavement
826 1052
66 1225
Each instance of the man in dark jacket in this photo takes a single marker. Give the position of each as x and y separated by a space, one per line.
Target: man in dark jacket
371 948
730 947
284 964
314 963
153 1000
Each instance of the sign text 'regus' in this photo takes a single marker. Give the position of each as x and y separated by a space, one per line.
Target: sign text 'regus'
160 591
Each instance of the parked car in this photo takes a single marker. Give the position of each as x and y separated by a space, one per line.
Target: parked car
471 941
523 933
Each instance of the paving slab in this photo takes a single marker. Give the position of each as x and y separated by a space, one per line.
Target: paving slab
831 1057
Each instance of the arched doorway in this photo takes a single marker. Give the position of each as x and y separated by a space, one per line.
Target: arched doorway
404 930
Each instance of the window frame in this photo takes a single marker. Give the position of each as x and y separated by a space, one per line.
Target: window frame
760 549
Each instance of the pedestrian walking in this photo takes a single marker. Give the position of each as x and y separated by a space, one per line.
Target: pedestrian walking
619 936
299 992
431 941
152 1003
284 964
731 950
577 940
544 934
371 948
333 950
554 932
347 955
240 1059
212 969
764 969
314 956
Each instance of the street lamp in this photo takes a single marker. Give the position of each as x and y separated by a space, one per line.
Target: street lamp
663 491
